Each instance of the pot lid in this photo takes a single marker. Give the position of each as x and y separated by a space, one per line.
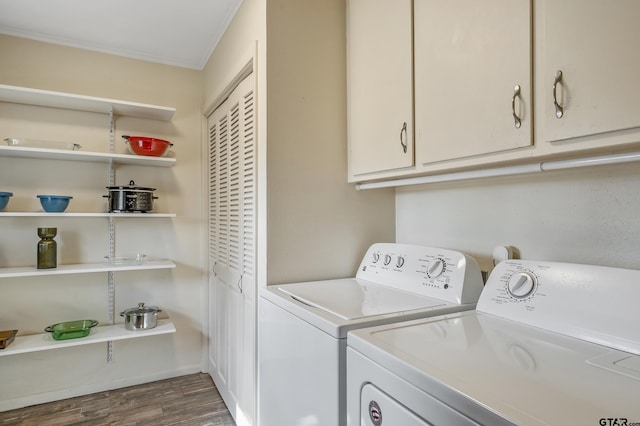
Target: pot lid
141 309
131 186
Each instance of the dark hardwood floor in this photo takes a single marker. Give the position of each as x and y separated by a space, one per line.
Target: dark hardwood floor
191 400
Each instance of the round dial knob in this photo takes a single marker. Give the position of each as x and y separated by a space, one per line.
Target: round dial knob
521 284
436 268
387 259
400 262
376 257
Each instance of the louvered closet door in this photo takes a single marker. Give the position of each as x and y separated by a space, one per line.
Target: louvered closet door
232 222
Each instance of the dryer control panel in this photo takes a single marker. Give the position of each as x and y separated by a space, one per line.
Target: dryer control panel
588 302
433 272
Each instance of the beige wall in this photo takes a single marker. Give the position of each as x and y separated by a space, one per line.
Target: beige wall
319 226
582 215
30 304
315 225
243 40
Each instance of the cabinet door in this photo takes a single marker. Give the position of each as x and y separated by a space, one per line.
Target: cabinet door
232 223
380 107
469 58
595 46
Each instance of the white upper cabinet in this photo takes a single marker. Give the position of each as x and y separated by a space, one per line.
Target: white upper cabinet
494 82
380 86
472 78
594 45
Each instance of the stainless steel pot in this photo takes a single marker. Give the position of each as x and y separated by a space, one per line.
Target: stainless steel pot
130 198
140 318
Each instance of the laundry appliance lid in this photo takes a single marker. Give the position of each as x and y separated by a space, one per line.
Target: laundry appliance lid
489 366
353 298
338 306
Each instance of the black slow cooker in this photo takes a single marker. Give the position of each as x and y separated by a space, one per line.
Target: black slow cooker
130 198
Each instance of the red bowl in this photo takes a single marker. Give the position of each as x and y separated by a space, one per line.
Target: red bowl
143 145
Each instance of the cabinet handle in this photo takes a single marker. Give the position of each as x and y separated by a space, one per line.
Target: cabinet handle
516 94
559 109
403 141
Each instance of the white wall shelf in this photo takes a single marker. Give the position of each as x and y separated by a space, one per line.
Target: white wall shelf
29 96
83 268
71 214
96 157
45 98
107 333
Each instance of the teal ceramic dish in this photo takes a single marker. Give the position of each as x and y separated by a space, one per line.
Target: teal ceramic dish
4 199
71 329
54 203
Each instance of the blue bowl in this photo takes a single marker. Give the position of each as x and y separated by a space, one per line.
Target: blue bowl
54 203
4 199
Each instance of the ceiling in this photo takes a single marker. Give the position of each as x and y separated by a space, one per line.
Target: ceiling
174 32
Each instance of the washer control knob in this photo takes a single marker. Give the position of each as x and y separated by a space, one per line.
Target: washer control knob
436 268
521 284
376 257
400 262
387 259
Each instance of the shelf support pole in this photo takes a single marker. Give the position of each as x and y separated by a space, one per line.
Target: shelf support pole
111 249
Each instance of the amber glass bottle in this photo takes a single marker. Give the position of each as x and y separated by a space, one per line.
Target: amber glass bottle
47 248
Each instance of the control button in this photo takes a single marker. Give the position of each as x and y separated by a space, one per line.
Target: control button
400 262
376 257
387 259
375 413
521 284
436 268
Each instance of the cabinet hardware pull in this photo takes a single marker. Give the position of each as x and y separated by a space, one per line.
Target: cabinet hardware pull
403 141
516 94
559 109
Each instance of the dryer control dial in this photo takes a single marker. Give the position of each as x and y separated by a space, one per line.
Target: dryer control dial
435 268
521 284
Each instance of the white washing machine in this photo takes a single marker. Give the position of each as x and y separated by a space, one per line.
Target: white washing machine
548 344
303 326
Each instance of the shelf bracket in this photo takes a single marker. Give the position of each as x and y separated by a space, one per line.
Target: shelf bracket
111 249
112 132
111 296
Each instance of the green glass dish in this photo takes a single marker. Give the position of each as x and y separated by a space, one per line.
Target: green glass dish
71 329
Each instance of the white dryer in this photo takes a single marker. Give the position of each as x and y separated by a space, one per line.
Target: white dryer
548 344
303 326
